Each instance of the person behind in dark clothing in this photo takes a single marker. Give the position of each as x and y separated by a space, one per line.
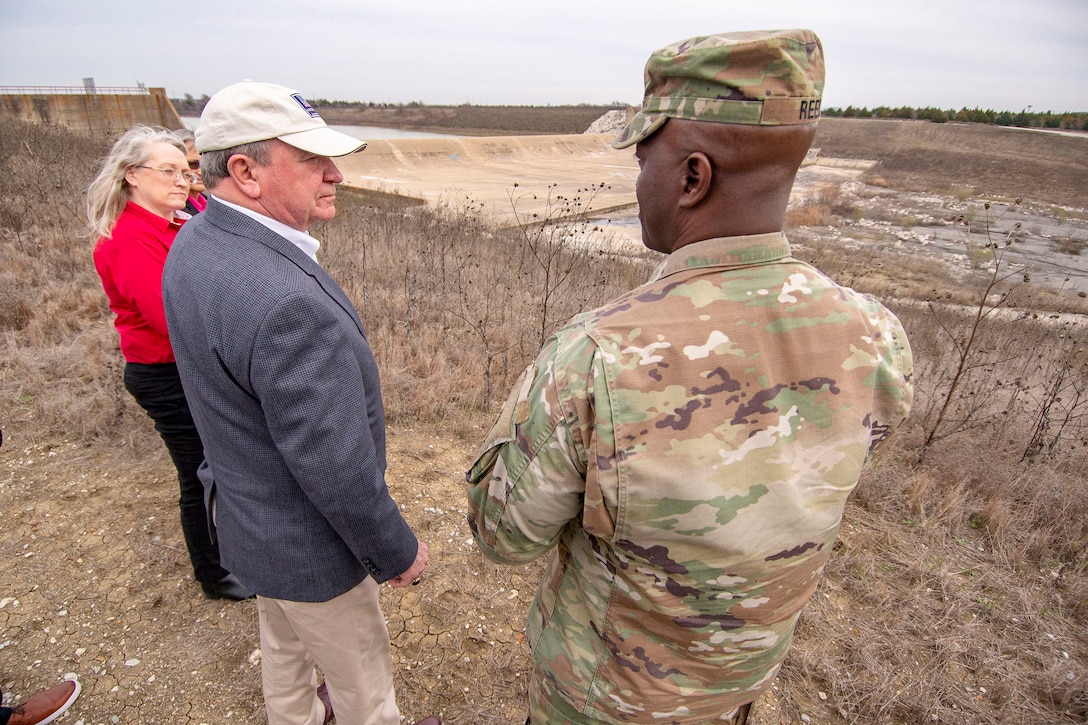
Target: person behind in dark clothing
196 201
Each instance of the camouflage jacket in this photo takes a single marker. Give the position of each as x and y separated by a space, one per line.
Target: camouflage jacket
688 449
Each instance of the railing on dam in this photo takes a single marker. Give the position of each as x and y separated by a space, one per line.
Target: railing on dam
80 90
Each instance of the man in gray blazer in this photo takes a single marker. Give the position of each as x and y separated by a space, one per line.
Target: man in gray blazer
284 390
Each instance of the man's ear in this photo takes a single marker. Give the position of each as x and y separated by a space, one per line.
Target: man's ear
241 168
698 175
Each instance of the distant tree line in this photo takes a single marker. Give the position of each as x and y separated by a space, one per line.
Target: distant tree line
189 105
1023 119
192 106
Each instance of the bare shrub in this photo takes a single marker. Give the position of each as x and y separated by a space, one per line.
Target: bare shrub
456 307
808 215
1072 246
816 208
973 350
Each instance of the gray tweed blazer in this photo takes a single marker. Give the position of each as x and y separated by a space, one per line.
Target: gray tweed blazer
283 387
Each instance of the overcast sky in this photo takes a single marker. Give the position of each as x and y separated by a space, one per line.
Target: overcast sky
1000 54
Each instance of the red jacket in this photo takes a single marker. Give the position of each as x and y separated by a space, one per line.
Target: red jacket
130 264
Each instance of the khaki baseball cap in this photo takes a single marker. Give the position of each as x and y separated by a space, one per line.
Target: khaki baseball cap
757 77
249 111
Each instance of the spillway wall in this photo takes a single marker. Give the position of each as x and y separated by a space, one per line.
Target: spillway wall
105 114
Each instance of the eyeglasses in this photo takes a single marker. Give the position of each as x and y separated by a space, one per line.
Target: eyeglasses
195 165
173 174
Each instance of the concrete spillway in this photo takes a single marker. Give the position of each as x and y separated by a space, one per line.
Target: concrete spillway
499 172
514 177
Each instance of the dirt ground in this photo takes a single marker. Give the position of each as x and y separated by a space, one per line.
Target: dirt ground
97 583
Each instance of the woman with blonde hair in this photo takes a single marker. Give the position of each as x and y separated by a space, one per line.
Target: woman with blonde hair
133 207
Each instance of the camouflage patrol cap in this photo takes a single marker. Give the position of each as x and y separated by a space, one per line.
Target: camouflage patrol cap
758 77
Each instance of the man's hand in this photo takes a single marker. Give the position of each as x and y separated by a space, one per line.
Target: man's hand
414 571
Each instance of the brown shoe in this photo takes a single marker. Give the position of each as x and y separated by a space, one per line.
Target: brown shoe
323 695
429 721
47 705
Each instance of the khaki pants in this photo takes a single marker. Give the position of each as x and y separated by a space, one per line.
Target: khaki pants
348 639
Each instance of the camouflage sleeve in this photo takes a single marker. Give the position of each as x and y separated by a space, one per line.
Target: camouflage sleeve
893 374
528 481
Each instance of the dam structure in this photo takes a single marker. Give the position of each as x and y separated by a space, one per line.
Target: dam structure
105 111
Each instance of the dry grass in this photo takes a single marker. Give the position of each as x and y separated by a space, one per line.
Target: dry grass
1004 162
454 307
60 372
959 589
963 567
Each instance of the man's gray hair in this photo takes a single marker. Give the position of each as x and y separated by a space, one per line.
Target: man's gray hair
213 164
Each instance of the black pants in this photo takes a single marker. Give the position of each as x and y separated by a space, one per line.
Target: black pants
157 388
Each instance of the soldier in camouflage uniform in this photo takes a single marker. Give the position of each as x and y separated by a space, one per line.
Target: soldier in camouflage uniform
689 447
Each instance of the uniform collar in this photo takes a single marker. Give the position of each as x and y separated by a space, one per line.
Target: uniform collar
726 252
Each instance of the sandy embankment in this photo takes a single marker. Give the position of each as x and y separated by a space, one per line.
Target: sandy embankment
486 169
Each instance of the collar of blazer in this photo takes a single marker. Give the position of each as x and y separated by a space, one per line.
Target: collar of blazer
235 223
